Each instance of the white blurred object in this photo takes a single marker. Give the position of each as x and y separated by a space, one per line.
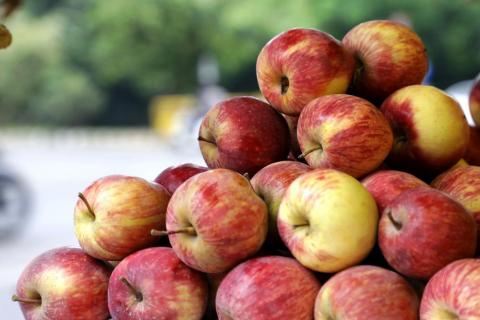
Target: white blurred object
461 91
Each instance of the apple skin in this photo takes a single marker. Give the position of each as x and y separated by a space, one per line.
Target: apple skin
125 209
270 183
70 284
268 287
229 221
474 101
344 132
163 287
430 129
365 293
174 176
423 230
292 122
389 56
472 156
453 292
243 134
328 220
299 65
386 185
463 185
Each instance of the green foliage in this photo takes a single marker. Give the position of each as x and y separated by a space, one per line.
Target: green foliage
78 62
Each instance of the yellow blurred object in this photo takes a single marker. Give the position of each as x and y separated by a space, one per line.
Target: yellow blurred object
461 163
168 112
5 37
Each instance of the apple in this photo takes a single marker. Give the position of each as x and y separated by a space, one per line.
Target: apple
300 65
292 122
268 287
453 292
5 37
174 176
215 220
270 183
328 220
474 101
344 132
430 129
114 215
463 185
243 134
472 156
389 56
423 230
63 283
386 185
154 284
365 293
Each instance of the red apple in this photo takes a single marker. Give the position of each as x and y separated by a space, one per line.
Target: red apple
366 293
389 56
267 288
386 185
174 176
300 65
472 156
423 230
474 101
344 132
115 214
63 283
243 134
453 292
215 220
431 132
463 185
270 184
154 284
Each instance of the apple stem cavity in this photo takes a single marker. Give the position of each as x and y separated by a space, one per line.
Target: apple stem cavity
395 223
205 140
138 295
284 84
306 153
26 300
161 233
82 197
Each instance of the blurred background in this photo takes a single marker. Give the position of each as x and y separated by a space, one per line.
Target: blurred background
90 88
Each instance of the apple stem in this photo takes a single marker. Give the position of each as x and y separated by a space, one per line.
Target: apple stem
395 223
138 295
284 84
205 140
303 155
246 175
26 300
82 197
161 233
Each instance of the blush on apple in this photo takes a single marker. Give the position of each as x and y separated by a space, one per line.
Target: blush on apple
300 65
474 101
344 132
63 283
174 176
267 288
243 134
423 230
472 155
389 56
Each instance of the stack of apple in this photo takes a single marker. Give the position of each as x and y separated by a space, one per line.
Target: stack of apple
374 215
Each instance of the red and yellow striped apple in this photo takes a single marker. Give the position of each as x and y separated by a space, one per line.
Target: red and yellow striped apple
328 220
154 284
300 65
423 230
389 56
215 220
64 283
430 129
366 293
243 134
115 214
267 288
344 132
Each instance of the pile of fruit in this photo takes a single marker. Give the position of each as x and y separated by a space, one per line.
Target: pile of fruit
343 197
